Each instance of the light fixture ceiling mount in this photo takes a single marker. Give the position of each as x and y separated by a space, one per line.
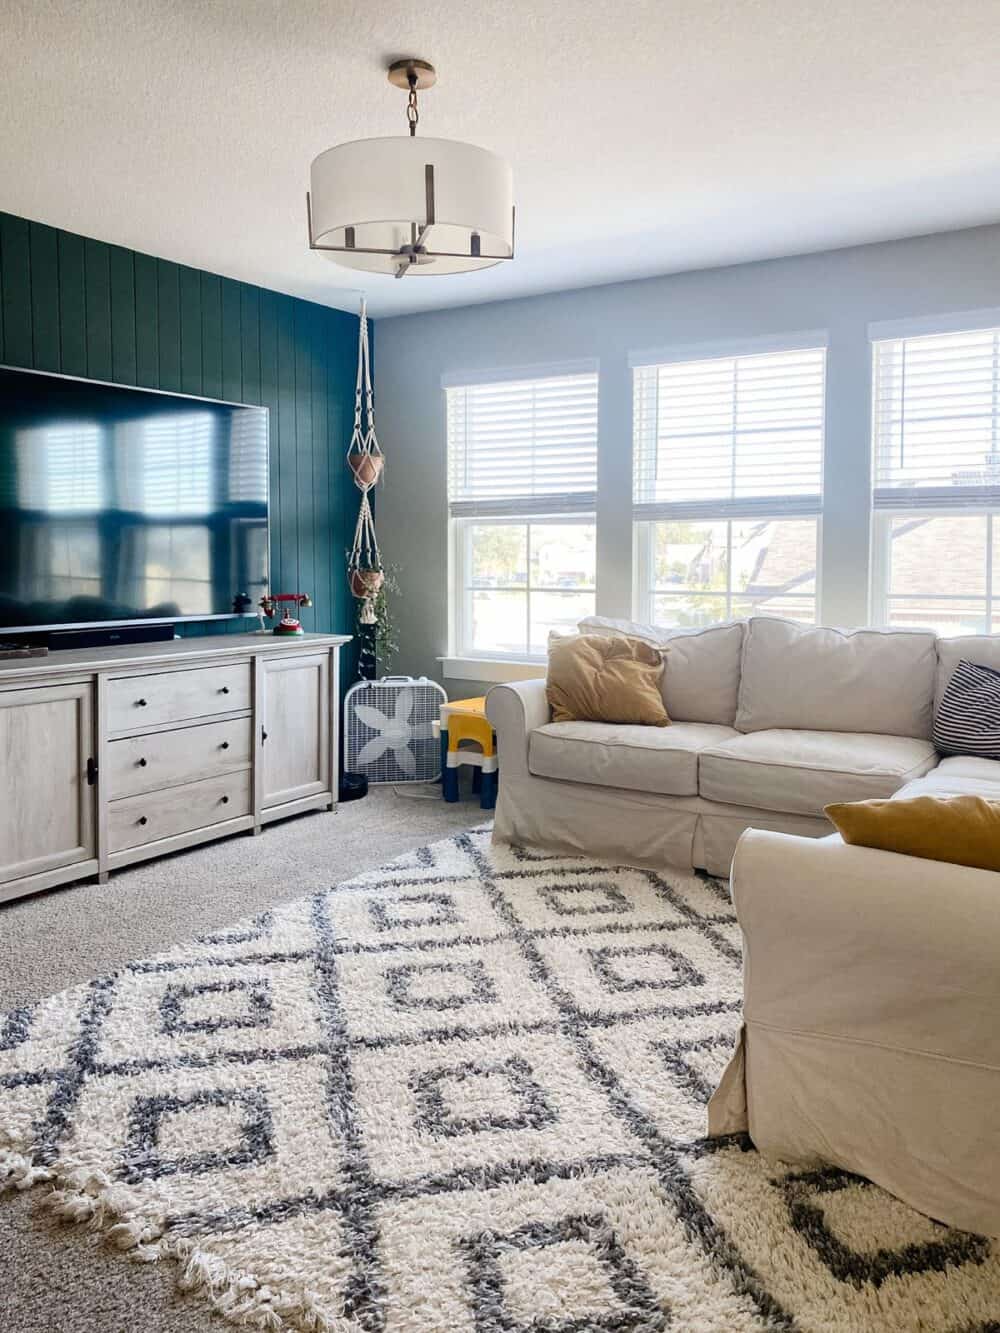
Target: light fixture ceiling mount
404 205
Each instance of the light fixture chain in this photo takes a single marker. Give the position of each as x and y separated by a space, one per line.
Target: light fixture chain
412 114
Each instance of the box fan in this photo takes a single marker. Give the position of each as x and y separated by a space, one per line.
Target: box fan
388 729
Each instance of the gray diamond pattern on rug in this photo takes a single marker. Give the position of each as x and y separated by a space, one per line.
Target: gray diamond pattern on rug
462 1094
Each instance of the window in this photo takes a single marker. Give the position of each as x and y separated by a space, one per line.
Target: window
728 485
936 472
522 481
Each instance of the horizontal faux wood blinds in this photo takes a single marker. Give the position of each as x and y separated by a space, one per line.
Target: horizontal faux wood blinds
937 421
522 447
730 436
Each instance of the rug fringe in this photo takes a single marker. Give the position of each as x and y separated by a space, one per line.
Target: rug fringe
92 1198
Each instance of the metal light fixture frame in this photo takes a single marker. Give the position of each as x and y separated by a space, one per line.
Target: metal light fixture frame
415 75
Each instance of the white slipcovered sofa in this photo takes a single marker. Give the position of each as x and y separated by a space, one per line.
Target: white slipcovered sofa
871 980
771 721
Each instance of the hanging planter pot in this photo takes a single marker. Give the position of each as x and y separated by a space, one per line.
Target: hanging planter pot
367 469
366 583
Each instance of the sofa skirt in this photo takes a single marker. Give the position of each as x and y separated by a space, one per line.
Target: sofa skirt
634 828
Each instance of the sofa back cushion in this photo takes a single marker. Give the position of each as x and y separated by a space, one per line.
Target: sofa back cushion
701 679
980 649
819 679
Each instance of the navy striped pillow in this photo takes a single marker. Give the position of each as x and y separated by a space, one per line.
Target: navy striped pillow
968 716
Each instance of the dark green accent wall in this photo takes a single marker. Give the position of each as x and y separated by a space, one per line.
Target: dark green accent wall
81 307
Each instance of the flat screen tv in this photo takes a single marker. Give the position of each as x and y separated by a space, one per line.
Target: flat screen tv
123 505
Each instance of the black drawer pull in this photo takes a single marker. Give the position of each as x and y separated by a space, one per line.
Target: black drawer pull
141 763
142 819
224 745
224 690
225 800
140 703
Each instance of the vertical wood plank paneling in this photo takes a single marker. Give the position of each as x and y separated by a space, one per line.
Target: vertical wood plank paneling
250 342
147 337
16 249
287 512
303 457
211 335
122 265
232 352
189 285
3 349
169 324
269 398
97 308
72 305
321 468
85 308
44 259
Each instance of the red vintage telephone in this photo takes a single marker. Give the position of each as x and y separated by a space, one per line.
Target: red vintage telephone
287 624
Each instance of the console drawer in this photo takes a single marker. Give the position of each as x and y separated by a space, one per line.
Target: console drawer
173 696
135 820
166 758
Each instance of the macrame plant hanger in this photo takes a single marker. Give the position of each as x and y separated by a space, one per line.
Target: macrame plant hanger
365 571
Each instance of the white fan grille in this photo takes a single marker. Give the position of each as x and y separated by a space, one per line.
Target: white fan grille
389 735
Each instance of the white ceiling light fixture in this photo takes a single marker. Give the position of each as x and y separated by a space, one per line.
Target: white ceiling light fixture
406 205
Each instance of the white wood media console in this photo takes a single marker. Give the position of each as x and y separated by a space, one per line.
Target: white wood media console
113 755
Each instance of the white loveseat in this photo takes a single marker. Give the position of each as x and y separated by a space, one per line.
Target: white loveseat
771 721
871 980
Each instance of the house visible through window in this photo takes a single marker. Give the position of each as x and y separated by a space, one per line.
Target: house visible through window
936 497
522 476
728 462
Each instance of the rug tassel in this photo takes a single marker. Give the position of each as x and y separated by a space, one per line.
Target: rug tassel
93 1198
20 1173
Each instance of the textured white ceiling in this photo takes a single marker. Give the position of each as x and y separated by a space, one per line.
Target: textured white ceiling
646 136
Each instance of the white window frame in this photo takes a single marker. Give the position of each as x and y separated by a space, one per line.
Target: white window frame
644 516
462 660
644 592
461 601
880 565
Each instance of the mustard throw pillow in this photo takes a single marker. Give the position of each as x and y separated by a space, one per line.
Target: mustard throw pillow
964 830
593 678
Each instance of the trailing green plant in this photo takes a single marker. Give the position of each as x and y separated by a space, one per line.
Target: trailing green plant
386 642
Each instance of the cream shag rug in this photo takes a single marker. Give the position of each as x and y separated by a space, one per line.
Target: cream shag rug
463 1093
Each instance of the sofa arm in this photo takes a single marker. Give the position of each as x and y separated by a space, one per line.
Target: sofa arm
869 945
870 1039
515 711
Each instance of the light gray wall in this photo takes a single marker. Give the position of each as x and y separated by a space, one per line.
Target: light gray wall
840 291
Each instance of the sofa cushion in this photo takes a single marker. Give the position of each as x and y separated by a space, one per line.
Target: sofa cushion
701 680
981 649
653 759
876 681
961 775
967 720
799 772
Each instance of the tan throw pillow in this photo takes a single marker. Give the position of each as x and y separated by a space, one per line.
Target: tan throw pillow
592 678
964 830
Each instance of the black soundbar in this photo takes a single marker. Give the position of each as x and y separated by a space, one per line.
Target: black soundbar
107 636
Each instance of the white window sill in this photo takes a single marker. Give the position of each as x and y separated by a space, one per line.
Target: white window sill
493 670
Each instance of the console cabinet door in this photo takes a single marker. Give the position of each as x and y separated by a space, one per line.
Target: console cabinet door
46 801
295 754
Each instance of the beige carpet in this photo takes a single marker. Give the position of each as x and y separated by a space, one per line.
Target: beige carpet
58 1279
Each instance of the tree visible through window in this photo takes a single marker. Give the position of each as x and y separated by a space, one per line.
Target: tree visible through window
728 486
522 480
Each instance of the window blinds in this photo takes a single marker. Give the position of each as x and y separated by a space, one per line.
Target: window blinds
937 421
730 436
521 447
